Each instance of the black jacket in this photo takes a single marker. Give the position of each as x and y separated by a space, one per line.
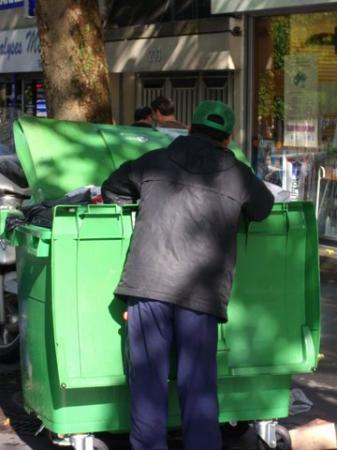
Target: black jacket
191 196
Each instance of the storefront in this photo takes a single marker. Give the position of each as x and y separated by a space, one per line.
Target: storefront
291 123
21 79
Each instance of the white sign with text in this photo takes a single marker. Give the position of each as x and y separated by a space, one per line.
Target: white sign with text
301 101
20 51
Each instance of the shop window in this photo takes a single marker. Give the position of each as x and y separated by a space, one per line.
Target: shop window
134 12
153 83
2 95
29 98
184 82
41 106
10 108
295 121
14 95
34 99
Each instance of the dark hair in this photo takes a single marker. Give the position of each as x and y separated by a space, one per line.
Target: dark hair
142 113
164 105
212 133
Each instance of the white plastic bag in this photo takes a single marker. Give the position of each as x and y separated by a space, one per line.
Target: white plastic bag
280 194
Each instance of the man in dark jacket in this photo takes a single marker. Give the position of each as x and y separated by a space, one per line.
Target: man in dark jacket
179 271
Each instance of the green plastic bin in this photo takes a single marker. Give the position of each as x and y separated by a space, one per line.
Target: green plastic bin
72 328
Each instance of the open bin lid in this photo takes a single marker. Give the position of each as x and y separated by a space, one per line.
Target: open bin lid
60 156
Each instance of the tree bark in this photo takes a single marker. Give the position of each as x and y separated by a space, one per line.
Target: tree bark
74 62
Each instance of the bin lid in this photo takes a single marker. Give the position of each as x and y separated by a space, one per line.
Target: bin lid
60 156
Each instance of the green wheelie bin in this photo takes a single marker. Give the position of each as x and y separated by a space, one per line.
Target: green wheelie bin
74 370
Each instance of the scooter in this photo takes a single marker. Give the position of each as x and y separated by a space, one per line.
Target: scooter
11 196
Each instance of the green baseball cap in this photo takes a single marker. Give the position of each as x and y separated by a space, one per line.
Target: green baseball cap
204 111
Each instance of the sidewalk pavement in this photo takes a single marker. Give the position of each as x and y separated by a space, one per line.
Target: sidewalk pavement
320 388
328 260
10 441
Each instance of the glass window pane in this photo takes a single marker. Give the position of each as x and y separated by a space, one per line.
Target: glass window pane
295 137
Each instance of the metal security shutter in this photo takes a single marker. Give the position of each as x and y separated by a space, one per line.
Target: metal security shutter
186 89
149 89
218 88
185 94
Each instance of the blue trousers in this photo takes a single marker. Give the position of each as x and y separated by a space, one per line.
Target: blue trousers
153 327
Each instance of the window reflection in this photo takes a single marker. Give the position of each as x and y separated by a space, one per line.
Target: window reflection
134 12
296 109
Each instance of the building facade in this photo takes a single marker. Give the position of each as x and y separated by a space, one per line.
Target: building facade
175 49
290 96
273 62
21 77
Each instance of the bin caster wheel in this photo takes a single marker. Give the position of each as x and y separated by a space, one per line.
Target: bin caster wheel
283 441
82 442
100 445
235 430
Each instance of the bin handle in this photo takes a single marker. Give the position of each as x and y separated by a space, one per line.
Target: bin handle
36 246
321 174
4 214
287 220
33 244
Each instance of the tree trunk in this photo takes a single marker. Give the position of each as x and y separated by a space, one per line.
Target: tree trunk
74 61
